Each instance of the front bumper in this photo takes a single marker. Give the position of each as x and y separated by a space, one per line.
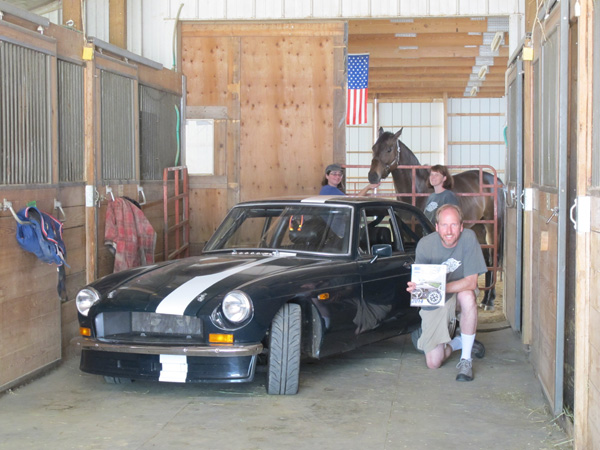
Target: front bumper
183 364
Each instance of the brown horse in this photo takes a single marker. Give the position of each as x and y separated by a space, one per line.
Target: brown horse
389 153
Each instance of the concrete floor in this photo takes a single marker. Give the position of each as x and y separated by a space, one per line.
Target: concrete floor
378 397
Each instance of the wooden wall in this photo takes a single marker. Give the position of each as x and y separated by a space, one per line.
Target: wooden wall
276 93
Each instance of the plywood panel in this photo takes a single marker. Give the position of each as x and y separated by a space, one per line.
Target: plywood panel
206 62
287 115
544 279
211 209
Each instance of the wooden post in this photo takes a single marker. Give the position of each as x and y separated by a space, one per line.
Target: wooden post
117 22
71 10
90 171
585 422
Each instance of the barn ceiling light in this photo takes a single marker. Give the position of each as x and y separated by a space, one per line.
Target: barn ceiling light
498 38
408 47
473 91
407 35
482 72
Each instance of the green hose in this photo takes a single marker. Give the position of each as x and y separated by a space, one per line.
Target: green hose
177 127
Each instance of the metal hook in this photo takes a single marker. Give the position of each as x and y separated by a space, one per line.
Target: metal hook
58 205
140 190
8 205
109 191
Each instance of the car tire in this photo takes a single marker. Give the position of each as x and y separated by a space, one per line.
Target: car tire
117 380
283 370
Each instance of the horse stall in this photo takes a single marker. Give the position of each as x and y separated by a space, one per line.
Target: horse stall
273 92
81 123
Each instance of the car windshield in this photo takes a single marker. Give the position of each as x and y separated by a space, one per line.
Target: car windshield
320 229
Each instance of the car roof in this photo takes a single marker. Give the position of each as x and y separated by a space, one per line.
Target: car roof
347 200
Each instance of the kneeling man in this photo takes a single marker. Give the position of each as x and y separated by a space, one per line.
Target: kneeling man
460 251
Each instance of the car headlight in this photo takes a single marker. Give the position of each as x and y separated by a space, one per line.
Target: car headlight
237 306
85 300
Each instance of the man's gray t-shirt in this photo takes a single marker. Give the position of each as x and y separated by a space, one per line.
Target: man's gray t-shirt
434 201
462 260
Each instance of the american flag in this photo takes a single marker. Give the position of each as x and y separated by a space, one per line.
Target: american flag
358 81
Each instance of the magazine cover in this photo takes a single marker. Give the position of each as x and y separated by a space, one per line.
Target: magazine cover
431 285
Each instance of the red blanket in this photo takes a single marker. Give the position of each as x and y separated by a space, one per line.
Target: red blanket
129 235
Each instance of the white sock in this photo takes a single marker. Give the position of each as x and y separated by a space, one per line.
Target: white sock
456 343
467 345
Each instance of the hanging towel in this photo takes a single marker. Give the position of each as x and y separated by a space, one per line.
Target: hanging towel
129 235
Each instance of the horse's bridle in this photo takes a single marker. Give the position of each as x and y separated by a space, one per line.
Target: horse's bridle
396 159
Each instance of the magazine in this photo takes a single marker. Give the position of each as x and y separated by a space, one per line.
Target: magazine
431 285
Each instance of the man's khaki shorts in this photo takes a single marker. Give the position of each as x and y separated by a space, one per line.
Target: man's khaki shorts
434 324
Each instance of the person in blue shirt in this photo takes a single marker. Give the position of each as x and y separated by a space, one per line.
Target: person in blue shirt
333 182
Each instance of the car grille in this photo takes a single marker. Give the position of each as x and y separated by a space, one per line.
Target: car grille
145 327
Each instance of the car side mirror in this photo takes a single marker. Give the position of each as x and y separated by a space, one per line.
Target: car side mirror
380 250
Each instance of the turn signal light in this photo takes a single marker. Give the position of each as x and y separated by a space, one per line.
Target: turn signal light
324 296
220 338
85 331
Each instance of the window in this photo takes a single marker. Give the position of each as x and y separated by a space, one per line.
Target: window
199 146
376 228
159 125
118 156
71 140
25 135
411 228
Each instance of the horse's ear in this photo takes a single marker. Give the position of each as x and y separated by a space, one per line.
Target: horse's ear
380 131
397 135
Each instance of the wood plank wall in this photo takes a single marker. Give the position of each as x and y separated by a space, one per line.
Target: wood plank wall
282 88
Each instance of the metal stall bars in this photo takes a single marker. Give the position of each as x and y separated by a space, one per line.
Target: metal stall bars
181 222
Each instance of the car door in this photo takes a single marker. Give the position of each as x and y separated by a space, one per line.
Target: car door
385 305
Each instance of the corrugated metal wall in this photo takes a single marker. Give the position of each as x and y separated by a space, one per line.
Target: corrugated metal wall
476 132
423 128
118 158
70 122
475 135
25 143
159 116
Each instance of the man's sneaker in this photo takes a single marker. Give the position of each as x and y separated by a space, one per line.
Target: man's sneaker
465 370
478 350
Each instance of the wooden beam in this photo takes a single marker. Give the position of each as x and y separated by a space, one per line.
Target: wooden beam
117 22
438 25
426 40
71 10
418 71
375 61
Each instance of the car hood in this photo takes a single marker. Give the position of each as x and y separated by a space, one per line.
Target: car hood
184 286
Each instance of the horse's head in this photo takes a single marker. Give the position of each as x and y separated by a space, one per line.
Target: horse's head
386 154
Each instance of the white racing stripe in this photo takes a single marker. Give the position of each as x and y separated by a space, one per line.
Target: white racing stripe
178 300
174 368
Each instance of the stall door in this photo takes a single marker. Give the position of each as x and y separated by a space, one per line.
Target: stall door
513 268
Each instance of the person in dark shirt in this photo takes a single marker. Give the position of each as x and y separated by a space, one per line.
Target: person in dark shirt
441 181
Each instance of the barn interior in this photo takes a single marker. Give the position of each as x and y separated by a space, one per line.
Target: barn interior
511 88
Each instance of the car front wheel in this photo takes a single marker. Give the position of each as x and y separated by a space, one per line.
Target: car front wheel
284 351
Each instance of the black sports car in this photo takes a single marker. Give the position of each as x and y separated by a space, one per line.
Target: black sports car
280 278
